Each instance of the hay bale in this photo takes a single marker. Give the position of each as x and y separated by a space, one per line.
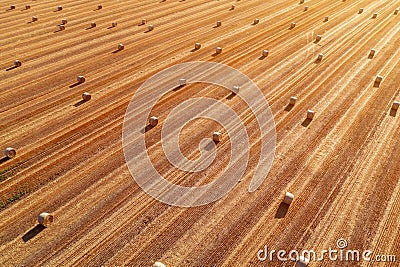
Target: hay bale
81 79
144 21
99 6
120 47
218 50
59 8
305 8
150 28
61 27
114 24
256 21
375 15
93 24
182 82
265 53
34 18
233 7
326 18
318 38
302 262
361 10
197 46
12 7
219 23
292 100
235 89
27 7
396 105
159 264
310 114
378 79
64 21
301 1
396 11
86 96
45 219
17 63
216 137
10 152
320 56
372 53
292 25
288 198
153 121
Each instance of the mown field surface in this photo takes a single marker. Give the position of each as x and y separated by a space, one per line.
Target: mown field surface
343 166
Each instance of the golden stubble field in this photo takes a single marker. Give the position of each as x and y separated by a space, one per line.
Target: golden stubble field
343 166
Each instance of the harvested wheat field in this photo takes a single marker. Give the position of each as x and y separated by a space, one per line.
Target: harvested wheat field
329 70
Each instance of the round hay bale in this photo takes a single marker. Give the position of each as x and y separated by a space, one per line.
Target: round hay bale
120 47
378 79
17 63
153 121
265 53
27 7
64 21
292 25
301 1
375 15
235 89
216 137
197 46
396 105
45 219
326 18
292 100
288 198
59 8
99 6
159 264
93 24
86 96
256 21
182 82
302 262
361 10
61 27
144 21
150 28
233 7
320 56
81 79
10 152
218 50
305 8
310 114
219 23
12 7
34 18
396 11
114 24
318 38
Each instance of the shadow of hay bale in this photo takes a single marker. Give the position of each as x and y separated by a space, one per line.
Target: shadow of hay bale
33 232
282 211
